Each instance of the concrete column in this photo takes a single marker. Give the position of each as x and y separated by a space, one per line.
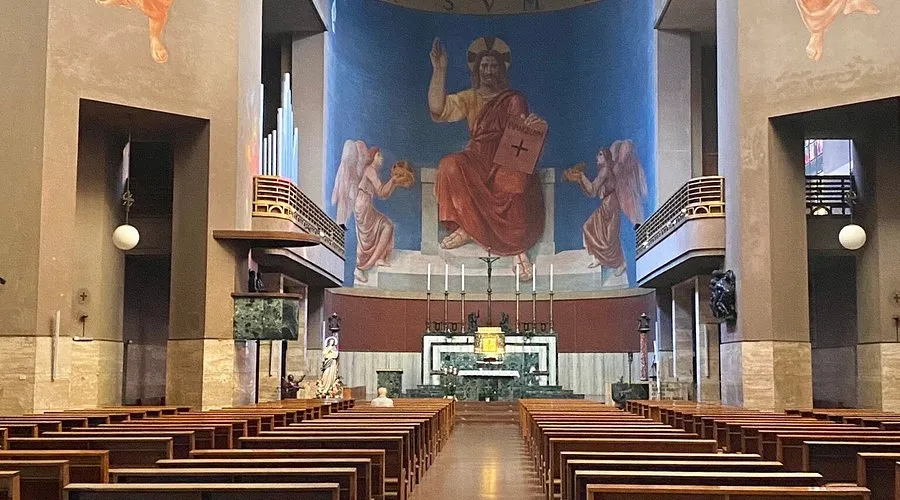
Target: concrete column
662 344
707 343
765 354
683 337
878 277
673 112
308 86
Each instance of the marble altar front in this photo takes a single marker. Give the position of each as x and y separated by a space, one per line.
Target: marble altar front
534 359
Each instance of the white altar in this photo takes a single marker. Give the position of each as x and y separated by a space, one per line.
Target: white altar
536 356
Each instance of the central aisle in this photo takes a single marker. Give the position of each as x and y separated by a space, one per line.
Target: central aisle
482 461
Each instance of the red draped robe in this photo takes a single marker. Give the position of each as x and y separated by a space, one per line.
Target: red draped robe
499 207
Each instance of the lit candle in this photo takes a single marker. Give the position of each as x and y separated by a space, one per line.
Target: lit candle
446 277
551 277
428 285
517 278
533 278
463 275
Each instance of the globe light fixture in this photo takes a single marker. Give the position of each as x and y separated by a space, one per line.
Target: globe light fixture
852 237
126 237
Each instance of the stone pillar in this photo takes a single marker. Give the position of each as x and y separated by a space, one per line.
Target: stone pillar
878 277
662 344
707 343
683 337
308 87
765 354
673 112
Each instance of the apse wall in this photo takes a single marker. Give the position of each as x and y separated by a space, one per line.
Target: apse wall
587 71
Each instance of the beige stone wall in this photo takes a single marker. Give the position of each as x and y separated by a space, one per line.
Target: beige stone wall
67 51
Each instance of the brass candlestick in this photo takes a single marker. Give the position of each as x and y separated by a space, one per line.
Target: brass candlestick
534 311
517 311
428 311
551 311
446 325
462 312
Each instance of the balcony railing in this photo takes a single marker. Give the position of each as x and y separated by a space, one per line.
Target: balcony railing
828 195
699 198
279 197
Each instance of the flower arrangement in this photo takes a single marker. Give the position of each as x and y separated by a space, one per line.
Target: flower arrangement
336 390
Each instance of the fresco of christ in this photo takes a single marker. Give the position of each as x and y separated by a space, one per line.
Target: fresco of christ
499 208
157 12
818 15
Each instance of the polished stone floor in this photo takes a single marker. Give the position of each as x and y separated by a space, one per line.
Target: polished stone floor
483 461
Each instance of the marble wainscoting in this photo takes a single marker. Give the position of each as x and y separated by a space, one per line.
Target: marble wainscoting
767 375
834 376
96 373
360 368
591 373
145 376
878 376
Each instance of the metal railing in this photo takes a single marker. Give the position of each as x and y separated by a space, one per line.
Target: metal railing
828 195
279 197
700 197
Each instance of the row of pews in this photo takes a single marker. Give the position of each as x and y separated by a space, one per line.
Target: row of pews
294 449
672 450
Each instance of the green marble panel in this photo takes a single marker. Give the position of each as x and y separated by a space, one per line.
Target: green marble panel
266 318
392 380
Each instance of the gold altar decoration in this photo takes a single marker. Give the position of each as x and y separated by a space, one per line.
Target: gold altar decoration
490 343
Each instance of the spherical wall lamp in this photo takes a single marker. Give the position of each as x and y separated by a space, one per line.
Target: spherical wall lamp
852 237
126 237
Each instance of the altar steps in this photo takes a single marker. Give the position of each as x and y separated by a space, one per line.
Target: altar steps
491 412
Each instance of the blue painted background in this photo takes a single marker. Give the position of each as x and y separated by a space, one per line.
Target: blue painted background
588 71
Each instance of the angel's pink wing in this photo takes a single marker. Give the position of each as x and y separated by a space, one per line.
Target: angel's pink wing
631 186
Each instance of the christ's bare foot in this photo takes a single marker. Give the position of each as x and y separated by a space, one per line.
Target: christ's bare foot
620 270
383 263
456 239
594 263
524 266
864 6
816 46
158 50
362 276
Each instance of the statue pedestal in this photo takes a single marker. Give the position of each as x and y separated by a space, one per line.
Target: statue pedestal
392 380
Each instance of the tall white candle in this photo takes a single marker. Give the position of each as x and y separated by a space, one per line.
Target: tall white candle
428 285
517 277
551 277
463 276
446 277
533 278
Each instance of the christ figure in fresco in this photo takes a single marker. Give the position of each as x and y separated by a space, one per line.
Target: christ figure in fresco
355 188
499 208
621 187
818 15
157 11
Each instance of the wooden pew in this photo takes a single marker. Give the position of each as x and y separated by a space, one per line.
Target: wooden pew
362 466
85 466
396 461
47 423
188 491
559 445
4 435
206 436
9 485
790 446
375 456
675 492
18 427
837 460
239 427
570 467
183 442
877 471
344 477
39 479
583 478
123 452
